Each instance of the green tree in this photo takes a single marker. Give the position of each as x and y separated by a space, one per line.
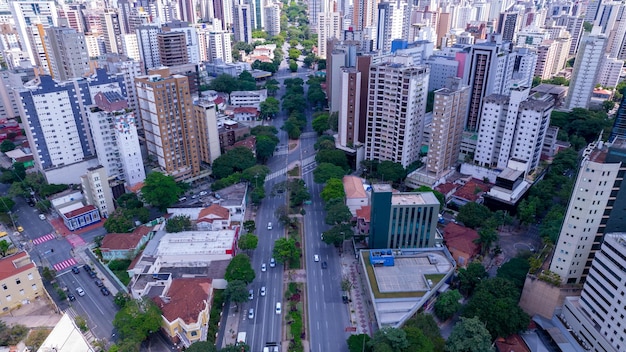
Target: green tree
293 66
178 223
265 147
240 268
473 215
335 157
587 26
487 235
292 129
129 201
237 291
325 171
515 270
316 96
224 83
17 189
248 242
447 304
19 170
470 277
339 213
608 105
337 234
4 247
320 123
298 193
418 340
495 302
6 145
395 338
269 107
359 343
272 87
427 325
160 190
235 160
256 175
137 320
333 189
285 250
202 346
469 335
527 210
249 226
6 204
12 335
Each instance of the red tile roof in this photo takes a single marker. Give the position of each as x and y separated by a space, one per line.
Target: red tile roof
187 298
353 186
513 343
249 143
246 109
461 239
214 212
446 187
468 191
80 211
364 213
10 266
124 241
136 188
218 100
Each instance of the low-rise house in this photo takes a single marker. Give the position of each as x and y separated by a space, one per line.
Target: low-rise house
75 214
20 281
125 245
363 215
245 114
186 307
215 217
356 197
460 242
471 191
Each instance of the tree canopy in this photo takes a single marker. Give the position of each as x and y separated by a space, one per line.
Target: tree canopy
473 215
240 268
391 337
248 242
334 156
470 277
515 270
234 160
285 250
325 171
237 291
333 189
178 223
447 304
320 123
202 346
160 190
469 335
136 321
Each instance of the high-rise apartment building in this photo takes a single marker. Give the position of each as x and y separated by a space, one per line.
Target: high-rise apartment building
130 46
242 21
596 318
363 14
115 138
610 71
191 39
112 31
166 111
596 207
205 113
395 112
56 123
28 13
67 53
619 124
149 46
329 27
172 48
95 186
393 23
513 127
509 24
586 71
350 109
490 72
272 19
73 14
219 46
449 111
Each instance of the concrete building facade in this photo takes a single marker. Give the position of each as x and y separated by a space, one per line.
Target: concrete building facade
20 280
95 185
586 71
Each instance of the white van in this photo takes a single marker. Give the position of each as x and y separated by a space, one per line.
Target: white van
269 225
278 309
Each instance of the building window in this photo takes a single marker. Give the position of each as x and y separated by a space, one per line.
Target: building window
22 292
30 276
8 298
34 287
18 281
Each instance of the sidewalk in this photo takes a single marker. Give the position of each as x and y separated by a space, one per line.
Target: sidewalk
359 305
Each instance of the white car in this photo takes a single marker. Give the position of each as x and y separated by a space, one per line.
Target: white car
316 258
269 225
251 313
204 193
272 262
262 291
263 267
42 217
80 291
278 308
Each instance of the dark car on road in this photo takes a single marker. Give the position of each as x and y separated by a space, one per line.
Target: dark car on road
324 265
87 268
71 297
105 291
99 283
75 270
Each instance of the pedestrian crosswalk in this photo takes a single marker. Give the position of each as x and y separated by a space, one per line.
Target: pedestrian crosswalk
43 239
65 264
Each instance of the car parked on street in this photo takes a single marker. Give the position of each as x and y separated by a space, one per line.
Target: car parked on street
80 291
105 291
99 283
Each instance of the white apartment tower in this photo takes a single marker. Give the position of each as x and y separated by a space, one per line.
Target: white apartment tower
328 27
191 39
149 46
392 24
586 69
597 317
610 71
67 53
112 31
449 111
513 127
127 140
218 45
395 111
242 21
595 208
95 185
272 19
26 14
